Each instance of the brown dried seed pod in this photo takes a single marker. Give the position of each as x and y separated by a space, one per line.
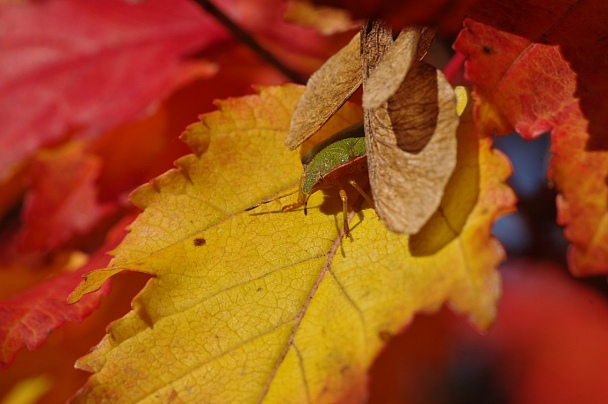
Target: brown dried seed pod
326 91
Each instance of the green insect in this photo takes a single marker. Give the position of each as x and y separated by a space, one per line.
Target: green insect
331 163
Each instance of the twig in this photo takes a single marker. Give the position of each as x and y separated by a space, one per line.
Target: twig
248 40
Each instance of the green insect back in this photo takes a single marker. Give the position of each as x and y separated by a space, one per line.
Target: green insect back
334 152
332 162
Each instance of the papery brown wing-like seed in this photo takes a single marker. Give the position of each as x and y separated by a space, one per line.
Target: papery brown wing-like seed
427 34
411 147
326 91
410 139
389 73
376 40
412 44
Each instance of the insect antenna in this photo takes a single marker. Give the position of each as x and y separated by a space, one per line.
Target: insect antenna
270 200
306 204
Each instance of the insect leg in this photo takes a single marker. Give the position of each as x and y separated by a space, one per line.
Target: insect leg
302 199
345 211
362 192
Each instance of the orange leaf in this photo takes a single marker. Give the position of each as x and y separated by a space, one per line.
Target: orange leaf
447 14
539 72
326 20
263 304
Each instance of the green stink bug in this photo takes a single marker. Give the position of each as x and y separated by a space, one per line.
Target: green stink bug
409 113
330 163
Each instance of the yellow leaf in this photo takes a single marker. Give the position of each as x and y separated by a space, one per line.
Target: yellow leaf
327 20
271 306
28 390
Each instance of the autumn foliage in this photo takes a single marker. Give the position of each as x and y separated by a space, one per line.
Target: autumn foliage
135 137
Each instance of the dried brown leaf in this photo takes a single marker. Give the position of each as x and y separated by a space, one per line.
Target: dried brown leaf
326 91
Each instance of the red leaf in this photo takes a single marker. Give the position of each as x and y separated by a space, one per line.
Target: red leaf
302 48
115 58
537 67
62 201
28 319
550 331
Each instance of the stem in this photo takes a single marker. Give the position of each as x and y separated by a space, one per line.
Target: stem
248 40
453 66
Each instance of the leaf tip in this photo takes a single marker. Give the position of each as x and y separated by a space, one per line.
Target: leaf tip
92 282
